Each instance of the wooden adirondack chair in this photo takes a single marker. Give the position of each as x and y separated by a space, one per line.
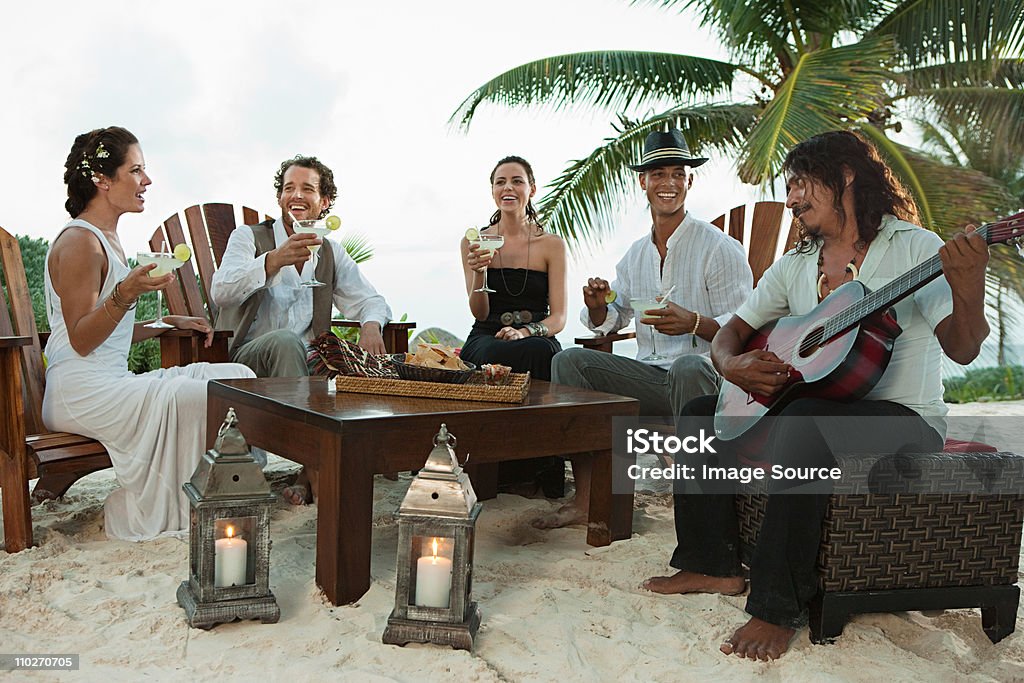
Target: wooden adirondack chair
765 228
27 449
209 227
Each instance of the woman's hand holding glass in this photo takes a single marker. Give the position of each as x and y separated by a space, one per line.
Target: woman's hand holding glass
479 259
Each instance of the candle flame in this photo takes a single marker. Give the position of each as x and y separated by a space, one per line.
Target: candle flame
230 531
435 548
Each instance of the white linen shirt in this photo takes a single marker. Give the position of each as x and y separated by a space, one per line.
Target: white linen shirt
288 305
711 276
913 377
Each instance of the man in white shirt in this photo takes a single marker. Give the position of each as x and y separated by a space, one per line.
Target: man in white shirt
259 293
708 275
258 285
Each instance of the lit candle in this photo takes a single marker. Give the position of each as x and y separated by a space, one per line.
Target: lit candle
231 560
433 580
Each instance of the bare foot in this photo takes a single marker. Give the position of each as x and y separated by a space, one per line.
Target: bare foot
758 639
692 582
299 493
567 515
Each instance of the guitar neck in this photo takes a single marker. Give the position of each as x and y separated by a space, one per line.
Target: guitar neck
890 293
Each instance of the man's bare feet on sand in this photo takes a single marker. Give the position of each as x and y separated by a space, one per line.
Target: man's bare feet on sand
758 639
692 582
567 515
299 493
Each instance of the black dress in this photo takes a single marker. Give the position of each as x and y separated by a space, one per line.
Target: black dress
532 354
521 297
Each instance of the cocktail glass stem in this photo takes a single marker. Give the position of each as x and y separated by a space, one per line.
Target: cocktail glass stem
484 288
158 323
312 281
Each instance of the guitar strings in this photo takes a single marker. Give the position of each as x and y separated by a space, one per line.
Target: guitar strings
873 301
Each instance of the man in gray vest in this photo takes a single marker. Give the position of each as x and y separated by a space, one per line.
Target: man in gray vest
258 286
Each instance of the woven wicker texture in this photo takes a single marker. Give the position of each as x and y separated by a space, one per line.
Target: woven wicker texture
474 388
912 540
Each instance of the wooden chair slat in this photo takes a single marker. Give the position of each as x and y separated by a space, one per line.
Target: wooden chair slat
719 222
764 236
220 221
250 216
24 324
737 216
55 456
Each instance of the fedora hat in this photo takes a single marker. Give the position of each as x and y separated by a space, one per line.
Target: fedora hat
666 149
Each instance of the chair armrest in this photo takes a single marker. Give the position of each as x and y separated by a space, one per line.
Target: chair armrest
395 333
181 347
14 342
604 342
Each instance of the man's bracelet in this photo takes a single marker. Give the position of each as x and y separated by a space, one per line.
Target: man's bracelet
696 324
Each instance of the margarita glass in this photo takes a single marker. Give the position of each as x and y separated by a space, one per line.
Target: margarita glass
165 263
488 245
641 305
319 228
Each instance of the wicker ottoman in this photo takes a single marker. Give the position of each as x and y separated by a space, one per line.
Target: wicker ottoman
905 550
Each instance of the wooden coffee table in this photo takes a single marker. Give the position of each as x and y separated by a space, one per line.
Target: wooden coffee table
348 437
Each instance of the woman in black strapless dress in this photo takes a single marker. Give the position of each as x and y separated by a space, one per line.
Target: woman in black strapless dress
516 324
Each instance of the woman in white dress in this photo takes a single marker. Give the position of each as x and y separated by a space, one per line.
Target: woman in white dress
154 424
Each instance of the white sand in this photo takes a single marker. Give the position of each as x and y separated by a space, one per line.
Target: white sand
553 609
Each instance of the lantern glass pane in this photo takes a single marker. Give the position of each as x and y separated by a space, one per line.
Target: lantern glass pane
234 551
431 580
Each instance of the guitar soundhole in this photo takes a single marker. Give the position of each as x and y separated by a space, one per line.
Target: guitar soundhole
812 342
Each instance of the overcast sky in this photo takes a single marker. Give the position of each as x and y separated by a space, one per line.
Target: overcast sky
219 93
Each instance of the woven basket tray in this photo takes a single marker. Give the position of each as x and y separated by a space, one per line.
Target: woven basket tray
473 390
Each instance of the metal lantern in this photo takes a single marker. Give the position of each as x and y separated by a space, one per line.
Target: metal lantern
436 526
229 544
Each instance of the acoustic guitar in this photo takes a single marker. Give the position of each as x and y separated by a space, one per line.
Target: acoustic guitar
840 349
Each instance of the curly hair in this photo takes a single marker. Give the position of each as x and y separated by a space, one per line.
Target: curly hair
531 212
100 151
876 191
327 187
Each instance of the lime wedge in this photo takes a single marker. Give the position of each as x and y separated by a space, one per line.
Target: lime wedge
333 222
182 252
472 234
610 296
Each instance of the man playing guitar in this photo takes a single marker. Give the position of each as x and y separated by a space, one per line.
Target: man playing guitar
856 222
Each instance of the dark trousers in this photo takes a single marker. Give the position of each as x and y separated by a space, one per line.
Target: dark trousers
783 575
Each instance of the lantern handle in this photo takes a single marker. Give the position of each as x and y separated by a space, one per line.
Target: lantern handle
445 437
230 420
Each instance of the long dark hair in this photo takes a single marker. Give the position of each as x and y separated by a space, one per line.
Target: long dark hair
531 212
876 191
99 151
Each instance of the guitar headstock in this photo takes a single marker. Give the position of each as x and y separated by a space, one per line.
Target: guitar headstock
1009 230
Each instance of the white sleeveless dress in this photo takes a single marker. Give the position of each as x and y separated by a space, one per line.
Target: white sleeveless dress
153 425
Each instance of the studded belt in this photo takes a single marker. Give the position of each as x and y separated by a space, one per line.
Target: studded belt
515 317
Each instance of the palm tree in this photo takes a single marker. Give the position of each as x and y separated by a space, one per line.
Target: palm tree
963 141
797 68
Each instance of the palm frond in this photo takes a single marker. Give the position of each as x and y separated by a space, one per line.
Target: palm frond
1002 73
358 247
998 111
827 90
947 31
940 144
610 81
582 202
